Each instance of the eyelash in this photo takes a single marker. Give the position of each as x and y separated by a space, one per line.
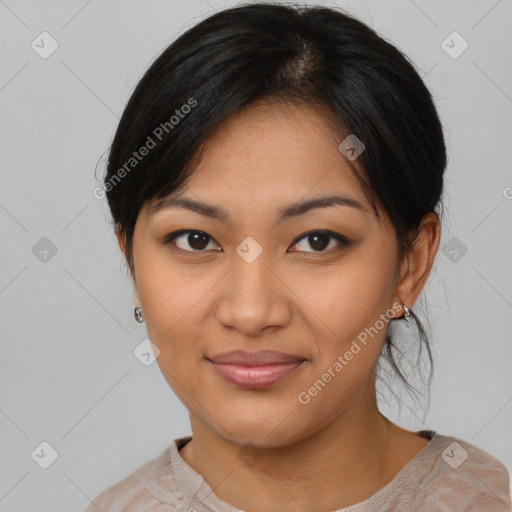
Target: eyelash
339 238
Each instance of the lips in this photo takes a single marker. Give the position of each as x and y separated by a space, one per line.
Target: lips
255 370
260 358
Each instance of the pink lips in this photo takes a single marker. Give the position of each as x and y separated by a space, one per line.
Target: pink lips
257 369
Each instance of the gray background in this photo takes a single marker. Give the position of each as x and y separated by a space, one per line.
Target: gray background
68 373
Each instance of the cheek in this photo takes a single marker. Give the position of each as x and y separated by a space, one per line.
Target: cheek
172 301
171 293
350 322
346 299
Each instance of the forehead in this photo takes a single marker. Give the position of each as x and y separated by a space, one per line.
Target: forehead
267 162
275 148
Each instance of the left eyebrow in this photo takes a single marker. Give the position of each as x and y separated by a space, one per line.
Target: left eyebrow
300 208
218 213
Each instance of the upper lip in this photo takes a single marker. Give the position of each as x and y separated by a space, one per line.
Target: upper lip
260 358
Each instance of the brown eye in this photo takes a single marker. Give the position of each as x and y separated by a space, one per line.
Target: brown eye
319 240
189 240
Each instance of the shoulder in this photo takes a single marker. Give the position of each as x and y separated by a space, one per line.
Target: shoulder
150 488
463 477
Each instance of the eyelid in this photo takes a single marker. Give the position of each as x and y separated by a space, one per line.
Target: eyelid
340 238
343 241
168 239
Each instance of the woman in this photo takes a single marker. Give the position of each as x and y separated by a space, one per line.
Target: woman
275 183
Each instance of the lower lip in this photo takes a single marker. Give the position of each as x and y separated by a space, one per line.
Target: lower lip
256 376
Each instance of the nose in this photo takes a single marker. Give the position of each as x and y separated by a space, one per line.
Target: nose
254 300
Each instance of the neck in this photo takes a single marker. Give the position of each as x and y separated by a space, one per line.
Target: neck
342 464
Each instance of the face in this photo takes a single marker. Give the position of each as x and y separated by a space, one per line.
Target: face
317 283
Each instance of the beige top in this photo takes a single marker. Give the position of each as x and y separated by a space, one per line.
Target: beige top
446 475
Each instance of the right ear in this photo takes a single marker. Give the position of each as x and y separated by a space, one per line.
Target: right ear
121 240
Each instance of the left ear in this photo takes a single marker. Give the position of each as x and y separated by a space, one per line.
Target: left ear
121 238
416 265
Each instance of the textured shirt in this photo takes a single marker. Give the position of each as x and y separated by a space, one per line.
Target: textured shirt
446 475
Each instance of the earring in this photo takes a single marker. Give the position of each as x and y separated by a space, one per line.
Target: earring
138 314
407 313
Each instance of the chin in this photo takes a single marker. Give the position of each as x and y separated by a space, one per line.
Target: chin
262 434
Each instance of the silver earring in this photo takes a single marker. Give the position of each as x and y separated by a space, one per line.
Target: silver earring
138 314
407 313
